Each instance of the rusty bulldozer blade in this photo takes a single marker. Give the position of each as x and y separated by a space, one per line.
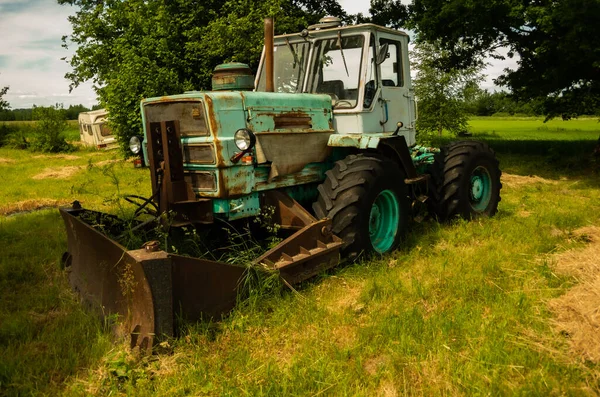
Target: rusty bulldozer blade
144 290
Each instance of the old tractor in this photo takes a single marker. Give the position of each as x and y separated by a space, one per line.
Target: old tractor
324 135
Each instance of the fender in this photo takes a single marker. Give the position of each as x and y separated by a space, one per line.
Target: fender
392 146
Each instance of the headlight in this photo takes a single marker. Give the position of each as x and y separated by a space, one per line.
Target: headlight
135 144
244 139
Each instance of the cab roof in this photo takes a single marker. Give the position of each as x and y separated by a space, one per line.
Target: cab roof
349 28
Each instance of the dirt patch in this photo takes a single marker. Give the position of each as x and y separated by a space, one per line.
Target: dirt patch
31 205
374 364
578 311
57 173
520 180
346 297
56 156
6 161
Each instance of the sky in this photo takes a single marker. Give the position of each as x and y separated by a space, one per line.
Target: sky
31 52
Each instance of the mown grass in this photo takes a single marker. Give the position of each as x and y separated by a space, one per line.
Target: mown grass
90 176
460 309
555 149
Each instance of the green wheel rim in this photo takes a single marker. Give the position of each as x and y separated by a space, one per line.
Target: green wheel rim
383 221
480 189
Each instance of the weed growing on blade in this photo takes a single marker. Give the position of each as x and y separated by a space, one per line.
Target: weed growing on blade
257 284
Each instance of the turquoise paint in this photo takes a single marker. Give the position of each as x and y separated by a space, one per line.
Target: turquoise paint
263 107
226 112
238 208
383 221
423 157
480 189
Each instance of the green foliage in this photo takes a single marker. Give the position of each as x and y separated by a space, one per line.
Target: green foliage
557 43
16 135
52 123
145 48
3 104
441 93
483 103
71 113
16 115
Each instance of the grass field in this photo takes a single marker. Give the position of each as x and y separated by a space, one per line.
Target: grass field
461 309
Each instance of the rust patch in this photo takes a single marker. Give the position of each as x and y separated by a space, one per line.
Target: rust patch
32 205
578 310
212 120
292 120
220 151
57 173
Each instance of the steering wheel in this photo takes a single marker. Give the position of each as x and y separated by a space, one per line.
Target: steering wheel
342 102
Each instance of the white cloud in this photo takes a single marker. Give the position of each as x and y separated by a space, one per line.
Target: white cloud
31 52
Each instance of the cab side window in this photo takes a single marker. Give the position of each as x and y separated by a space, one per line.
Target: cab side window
371 85
392 74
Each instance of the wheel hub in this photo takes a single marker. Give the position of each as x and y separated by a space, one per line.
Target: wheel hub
384 218
476 188
480 189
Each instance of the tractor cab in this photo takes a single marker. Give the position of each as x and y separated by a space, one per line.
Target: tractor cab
363 68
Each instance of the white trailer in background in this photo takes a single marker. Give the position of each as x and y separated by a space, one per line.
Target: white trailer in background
94 130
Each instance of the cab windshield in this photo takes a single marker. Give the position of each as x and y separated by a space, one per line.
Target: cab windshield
288 67
336 69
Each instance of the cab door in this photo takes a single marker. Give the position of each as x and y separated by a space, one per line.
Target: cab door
397 97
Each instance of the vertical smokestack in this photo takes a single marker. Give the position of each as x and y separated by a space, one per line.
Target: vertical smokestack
269 54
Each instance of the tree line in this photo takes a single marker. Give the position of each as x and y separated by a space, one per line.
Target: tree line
70 113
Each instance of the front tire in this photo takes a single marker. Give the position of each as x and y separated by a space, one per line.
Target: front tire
467 179
366 198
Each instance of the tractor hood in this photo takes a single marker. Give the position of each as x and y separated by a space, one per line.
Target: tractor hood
291 130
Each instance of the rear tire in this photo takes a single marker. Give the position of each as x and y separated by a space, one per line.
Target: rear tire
467 179
366 198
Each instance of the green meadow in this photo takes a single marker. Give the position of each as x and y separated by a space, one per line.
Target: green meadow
462 308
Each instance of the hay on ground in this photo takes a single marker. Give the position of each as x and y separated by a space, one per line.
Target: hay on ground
57 156
578 311
520 180
58 173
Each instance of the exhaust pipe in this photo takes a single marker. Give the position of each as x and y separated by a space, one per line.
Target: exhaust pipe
269 32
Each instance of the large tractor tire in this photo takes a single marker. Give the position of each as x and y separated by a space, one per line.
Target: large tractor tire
366 198
467 179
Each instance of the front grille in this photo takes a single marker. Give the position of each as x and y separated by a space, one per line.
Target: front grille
198 154
190 114
201 180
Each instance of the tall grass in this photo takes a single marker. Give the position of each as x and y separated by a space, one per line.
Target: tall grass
459 309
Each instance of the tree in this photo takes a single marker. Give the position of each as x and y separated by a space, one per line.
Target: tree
52 122
3 104
441 93
556 41
136 49
73 111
